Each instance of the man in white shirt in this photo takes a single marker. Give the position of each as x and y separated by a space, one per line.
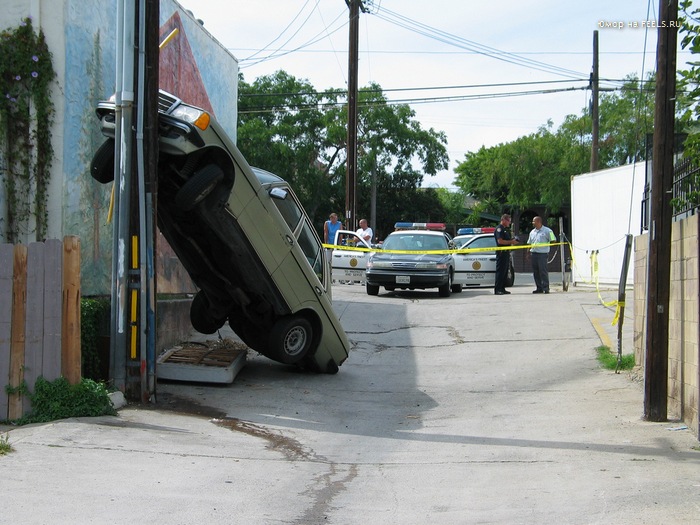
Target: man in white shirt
539 240
365 232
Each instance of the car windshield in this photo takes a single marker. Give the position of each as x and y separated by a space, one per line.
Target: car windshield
415 242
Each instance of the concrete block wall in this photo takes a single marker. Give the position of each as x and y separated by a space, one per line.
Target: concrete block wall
684 316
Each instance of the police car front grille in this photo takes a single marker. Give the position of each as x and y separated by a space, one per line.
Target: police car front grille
405 265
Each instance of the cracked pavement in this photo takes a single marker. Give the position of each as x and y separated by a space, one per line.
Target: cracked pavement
460 410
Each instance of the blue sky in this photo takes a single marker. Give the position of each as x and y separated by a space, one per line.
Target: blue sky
496 48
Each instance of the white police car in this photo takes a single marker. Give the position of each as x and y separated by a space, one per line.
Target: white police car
349 257
475 264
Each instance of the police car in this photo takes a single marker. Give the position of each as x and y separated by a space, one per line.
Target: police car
476 264
349 257
413 259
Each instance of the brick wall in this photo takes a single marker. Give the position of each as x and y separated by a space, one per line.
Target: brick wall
684 315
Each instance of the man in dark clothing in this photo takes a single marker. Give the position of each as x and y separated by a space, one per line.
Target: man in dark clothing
503 238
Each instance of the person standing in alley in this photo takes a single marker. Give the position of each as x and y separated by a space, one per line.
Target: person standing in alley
365 232
539 240
503 238
330 228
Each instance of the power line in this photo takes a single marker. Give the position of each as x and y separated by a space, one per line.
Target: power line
454 40
617 83
422 100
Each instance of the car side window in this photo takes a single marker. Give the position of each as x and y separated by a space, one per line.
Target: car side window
291 213
482 242
312 250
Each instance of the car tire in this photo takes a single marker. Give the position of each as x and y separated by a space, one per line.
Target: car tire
372 289
102 164
200 318
198 187
446 289
290 339
456 288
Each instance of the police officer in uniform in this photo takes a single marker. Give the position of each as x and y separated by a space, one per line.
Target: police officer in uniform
503 238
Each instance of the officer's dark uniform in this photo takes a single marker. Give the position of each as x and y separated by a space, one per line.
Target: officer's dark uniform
502 260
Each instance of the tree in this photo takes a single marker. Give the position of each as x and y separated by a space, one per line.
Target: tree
287 127
536 169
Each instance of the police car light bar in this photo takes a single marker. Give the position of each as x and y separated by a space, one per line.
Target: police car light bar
420 226
474 231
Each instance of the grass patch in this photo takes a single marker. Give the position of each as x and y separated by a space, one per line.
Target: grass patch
608 359
5 447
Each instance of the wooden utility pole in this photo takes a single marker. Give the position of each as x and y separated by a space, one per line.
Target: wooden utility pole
595 117
351 176
659 268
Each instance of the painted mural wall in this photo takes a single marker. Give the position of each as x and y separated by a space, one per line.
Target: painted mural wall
81 35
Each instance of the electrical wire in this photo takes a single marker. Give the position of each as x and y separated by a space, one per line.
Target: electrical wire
456 41
285 30
321 35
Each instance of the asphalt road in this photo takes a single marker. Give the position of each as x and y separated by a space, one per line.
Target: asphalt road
472 409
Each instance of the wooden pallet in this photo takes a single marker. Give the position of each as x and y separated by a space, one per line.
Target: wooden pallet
209 362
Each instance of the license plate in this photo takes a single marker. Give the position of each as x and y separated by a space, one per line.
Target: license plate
403 279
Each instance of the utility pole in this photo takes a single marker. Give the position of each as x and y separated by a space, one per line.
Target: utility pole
659 268
132 344
595 117
351 152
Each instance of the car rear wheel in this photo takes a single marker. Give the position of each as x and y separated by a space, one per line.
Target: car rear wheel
198 187
290 339
456 288
102 165
201 319
446 289
372 289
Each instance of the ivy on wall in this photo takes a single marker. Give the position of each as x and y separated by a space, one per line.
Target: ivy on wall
26 117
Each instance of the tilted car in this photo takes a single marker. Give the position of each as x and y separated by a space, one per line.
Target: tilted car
406 263
478 267
242 236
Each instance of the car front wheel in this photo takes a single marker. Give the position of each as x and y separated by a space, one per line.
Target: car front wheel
446 289
290 339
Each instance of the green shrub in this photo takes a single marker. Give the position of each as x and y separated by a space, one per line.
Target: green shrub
59 400
94 324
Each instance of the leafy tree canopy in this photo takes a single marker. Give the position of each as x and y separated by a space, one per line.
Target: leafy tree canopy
287 127
536 169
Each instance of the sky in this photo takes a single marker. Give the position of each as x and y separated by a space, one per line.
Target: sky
484 73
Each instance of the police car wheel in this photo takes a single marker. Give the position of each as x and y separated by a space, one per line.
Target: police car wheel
446 289
372 289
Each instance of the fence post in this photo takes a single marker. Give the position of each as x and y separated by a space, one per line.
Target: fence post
19 297
70 338
6 278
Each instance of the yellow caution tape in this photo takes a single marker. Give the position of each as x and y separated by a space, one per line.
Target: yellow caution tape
461 250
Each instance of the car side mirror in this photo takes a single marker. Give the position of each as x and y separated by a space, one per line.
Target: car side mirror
278 193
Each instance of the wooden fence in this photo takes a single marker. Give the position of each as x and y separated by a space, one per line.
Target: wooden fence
39 318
